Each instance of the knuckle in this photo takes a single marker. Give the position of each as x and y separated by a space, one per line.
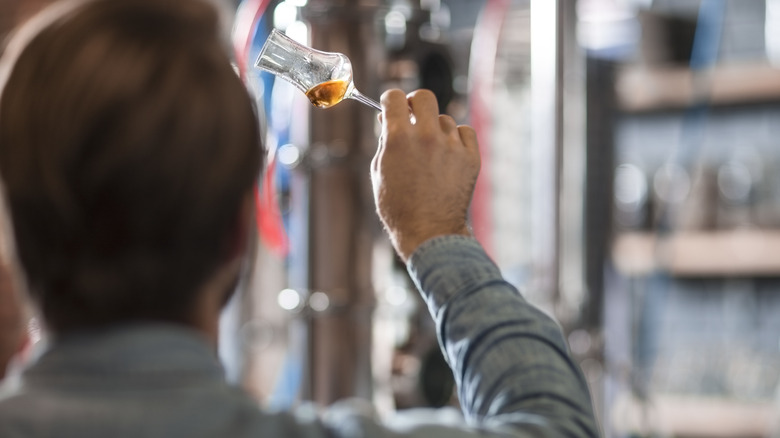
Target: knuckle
427 93
389 94
467 130
416 92
421 93
447 120
468 135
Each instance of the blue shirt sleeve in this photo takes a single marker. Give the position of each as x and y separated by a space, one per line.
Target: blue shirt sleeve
510 361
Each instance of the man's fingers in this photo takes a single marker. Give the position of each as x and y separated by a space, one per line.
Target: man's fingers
447 124
375 164
468 136
395 109
380 148
424 107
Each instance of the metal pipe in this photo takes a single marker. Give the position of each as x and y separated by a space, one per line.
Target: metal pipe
342 224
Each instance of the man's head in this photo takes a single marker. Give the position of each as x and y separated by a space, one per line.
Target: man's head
127 148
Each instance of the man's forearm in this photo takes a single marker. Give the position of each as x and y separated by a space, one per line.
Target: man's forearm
510 361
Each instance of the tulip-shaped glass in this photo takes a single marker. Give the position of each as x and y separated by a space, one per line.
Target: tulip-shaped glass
325 77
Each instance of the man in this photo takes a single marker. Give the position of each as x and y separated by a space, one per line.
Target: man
12 332
13 335
129 150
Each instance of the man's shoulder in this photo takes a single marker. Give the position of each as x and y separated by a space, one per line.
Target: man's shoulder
16 409
226 411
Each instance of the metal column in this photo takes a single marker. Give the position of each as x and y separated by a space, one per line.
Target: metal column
343 224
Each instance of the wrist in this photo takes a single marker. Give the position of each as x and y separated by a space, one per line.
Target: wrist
407 243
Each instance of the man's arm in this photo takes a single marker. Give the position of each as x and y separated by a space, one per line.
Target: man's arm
510 361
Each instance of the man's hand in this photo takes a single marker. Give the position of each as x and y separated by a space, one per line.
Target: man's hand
423 172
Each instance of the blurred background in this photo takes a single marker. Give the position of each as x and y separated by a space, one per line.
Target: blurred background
630 188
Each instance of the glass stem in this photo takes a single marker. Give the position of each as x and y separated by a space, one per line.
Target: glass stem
357 95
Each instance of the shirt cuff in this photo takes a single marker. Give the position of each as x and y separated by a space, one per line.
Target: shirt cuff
446 266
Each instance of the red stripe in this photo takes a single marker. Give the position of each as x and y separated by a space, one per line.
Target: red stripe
248 16
482 68
269 217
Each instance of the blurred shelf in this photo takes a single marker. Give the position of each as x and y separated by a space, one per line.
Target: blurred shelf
658 88
712 254
691 416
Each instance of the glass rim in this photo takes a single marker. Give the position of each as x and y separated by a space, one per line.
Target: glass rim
274 32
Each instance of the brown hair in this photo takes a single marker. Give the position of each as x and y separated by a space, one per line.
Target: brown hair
127 144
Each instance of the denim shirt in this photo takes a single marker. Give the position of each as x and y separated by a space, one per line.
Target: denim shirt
514 373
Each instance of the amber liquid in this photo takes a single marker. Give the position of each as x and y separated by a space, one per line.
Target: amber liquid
327 94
